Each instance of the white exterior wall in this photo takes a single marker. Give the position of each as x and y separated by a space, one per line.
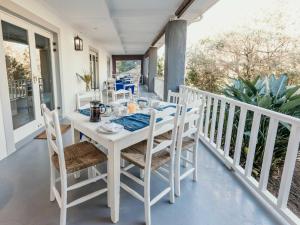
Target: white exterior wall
70 61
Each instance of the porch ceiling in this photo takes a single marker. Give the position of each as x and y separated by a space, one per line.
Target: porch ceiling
123 26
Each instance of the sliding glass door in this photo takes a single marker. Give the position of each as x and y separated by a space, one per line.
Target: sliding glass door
29 70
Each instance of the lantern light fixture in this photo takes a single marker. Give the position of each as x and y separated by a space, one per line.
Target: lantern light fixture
78 43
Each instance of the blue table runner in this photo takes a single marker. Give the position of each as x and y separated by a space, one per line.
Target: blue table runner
135 122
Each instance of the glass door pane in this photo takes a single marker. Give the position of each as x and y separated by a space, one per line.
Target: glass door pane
94 70
44 70
19 74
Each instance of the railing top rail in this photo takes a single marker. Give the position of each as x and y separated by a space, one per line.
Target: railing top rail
272 114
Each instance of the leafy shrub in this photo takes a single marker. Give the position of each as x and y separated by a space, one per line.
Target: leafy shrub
271 93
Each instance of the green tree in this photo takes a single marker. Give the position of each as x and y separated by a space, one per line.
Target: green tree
160 67
126 65
247 52
15 69
203 70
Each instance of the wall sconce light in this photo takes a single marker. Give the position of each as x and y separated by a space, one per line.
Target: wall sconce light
78 43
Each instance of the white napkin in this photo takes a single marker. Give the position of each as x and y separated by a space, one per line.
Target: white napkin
111 127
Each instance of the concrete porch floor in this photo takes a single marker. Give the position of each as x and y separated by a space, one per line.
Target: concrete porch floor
216 199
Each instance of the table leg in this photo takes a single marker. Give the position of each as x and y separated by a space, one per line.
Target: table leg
114 183
75 134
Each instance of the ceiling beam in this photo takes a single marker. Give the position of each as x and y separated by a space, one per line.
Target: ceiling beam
127 57
178 13
183 7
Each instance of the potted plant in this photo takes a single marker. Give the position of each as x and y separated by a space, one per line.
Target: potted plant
87 79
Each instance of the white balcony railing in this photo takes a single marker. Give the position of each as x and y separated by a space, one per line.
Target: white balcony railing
219 140
18 89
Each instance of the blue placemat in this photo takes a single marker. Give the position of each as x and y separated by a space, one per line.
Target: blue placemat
86 112
135 122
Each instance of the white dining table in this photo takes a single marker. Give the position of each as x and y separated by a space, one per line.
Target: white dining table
114 143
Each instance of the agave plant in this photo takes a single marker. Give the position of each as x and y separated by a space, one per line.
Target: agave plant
271 93
267 92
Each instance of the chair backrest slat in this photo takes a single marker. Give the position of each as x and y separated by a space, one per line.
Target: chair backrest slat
191 118
173 97
156 129
161 146
54 138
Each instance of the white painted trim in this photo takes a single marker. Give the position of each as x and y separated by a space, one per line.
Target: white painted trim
27 129
4 98
3 150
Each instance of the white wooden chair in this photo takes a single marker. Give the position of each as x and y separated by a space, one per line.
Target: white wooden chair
67 161
110 87
151 156
173 97
121 95
83 98
187 142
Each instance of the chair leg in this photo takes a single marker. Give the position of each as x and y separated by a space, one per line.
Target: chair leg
63 194
195 163
77 175
177 173
91 172
63 215
147 198
63 209
52 182
142 173
186 155
171 181
123 163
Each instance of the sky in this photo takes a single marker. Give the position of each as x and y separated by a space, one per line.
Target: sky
228 15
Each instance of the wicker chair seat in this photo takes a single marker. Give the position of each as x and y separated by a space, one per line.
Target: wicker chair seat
80 156
136 155
187 142
164 136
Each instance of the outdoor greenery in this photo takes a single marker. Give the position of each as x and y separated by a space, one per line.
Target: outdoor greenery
17 64
126 65
160 67
270 93
247 52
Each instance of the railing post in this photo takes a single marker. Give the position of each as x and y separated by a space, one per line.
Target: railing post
268 154
207 117
214 118
239 138
289 166
252 143
203 103
221 124
229 129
